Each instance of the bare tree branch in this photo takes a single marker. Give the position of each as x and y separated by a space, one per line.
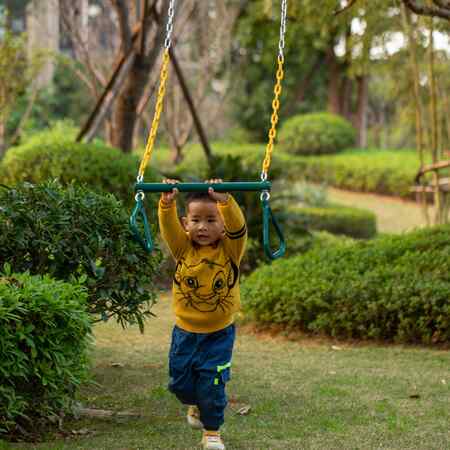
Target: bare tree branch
346 7
442 4
423 10
80 48
124 22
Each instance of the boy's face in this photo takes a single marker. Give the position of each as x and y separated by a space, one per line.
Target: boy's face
203 222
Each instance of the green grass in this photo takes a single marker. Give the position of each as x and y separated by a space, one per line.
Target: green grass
303 395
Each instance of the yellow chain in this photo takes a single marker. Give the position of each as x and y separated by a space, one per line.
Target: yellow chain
274 118
158 109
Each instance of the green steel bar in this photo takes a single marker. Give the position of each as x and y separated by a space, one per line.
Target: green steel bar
203 187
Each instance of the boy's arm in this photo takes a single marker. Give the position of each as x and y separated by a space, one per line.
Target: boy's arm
235 228
171 230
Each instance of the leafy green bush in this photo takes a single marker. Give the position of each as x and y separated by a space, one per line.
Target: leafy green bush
336 219
385 172
50 155
74 232
44 338
393 288
315 134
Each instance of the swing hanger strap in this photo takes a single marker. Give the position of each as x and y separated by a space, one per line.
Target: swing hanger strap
277 90
164 73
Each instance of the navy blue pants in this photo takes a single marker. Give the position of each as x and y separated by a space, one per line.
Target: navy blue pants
199 367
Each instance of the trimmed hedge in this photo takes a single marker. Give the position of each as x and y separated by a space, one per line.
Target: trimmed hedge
44 339
336 219
102 168
386 172
392 288
73 232
316 134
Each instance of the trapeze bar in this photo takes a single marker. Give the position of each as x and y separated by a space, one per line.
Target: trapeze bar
203 187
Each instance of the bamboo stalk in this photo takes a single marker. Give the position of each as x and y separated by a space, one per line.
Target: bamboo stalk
415 72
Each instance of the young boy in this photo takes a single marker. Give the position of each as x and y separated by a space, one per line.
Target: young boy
207 248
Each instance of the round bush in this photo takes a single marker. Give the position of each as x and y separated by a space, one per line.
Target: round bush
336 219
44 338
392 288
102 168
73 232
315 134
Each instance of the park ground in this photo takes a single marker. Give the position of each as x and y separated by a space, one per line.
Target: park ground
296 392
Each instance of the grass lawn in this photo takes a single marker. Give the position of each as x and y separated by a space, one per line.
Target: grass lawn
304 394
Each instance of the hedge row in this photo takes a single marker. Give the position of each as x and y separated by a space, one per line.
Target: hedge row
44 339
388 172
353 222
102 168
392 288
378 171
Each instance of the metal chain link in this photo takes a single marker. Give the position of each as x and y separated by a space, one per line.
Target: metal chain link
277 93
161 92
169 27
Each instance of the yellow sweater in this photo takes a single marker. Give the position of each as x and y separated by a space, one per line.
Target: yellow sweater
206 281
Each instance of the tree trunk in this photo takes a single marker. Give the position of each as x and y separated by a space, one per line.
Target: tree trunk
126 111
43 33
2 139
361 112
334 78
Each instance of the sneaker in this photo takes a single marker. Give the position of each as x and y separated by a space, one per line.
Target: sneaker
212 441
193 418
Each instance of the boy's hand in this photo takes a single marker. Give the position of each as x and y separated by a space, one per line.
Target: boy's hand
221 197
169 197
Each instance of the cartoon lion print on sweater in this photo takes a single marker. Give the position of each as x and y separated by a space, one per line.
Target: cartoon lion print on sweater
206 286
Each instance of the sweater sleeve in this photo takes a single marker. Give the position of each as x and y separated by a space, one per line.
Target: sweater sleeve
171 230
235 228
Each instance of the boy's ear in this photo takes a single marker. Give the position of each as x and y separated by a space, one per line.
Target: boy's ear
184 222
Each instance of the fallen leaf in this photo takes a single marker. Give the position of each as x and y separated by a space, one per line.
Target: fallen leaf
244 410
414 396
335 347
117 364
81 432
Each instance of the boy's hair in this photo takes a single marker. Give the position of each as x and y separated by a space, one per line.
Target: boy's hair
196 197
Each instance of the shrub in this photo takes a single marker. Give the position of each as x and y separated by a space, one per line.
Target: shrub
318 133
44 338
336 219
75 232
393 288
48 155
385 172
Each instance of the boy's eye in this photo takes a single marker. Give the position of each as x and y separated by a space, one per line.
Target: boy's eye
211 220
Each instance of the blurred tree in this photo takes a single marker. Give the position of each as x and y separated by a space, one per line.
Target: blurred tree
328 56
17 71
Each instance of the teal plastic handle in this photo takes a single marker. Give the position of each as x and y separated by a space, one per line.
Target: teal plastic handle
268 217
146 241
203 187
